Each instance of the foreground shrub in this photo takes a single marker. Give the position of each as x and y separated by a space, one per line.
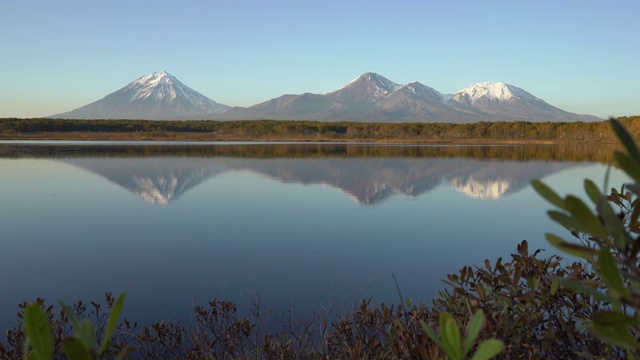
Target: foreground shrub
610 243
524 308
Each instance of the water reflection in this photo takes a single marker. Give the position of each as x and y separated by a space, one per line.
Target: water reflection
369 181
495 179
160 174
156 180
241 220
61 149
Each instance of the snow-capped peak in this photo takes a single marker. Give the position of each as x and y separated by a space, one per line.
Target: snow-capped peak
160 85
366 87
493 91
374 77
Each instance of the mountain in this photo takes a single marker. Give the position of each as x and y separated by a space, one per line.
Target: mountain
354 99
416 102
369 98
500 101
155 96
372 97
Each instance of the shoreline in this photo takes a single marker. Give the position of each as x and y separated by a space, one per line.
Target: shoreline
209 137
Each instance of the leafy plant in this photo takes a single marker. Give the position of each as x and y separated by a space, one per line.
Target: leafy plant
451 342
609 242
82 345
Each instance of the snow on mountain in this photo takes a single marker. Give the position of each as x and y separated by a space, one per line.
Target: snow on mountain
164 87
492 91
497 101
367 87
155 96
482 190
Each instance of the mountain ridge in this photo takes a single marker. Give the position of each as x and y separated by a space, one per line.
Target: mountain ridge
368 98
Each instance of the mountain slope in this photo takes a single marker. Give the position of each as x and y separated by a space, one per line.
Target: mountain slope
354 99
416 102
367 88
155 96
500 101
374 98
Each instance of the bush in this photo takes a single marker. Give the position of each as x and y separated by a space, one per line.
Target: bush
609 243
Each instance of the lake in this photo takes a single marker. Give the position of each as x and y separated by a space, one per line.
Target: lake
302 226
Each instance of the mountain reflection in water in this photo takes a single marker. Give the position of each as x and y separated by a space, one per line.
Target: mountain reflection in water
162 180
157 180
161 173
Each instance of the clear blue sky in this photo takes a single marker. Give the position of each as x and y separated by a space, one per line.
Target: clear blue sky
55 56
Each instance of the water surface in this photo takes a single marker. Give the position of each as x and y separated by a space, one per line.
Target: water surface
301 225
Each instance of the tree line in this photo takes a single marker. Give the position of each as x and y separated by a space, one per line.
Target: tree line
327 131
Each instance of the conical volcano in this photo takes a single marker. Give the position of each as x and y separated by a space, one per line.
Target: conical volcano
156 96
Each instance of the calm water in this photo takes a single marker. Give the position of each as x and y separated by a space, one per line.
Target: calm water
302 226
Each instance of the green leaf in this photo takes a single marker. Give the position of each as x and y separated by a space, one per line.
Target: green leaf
613 318
567 221
585 216
70 314
112 321
75 349
614 225
617 335
432 334
86 334
530 283
628 165
611 274
586 290
474 330
592 190
626 139
547 193
488 349
84 330
38 331
451 338
554 287
572 249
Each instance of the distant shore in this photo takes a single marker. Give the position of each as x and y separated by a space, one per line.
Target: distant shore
313 131
200 137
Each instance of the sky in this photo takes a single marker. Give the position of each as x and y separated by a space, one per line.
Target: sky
56 56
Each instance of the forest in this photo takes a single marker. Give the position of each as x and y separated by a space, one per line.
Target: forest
272 130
